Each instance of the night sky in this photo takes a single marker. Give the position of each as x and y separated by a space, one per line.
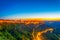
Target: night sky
29 8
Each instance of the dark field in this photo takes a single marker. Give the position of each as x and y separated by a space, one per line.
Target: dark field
21 31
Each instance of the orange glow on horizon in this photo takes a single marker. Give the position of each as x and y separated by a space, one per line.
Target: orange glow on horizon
44 19
29 20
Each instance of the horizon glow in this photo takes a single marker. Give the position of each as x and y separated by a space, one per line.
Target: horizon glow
36 15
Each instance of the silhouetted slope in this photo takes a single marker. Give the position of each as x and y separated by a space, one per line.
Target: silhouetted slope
22 31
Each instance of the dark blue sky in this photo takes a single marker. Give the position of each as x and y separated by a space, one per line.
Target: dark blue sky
28 8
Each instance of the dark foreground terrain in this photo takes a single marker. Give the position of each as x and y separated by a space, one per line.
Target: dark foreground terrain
21 31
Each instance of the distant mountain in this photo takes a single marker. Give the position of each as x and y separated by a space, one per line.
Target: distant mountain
54 24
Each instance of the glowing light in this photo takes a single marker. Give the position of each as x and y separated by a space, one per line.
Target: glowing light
39 34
